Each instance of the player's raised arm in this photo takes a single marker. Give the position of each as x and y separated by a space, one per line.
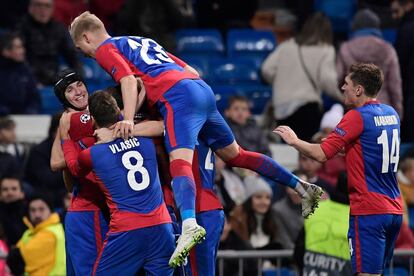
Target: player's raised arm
57 160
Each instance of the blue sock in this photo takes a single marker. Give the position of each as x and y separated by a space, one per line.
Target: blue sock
184 193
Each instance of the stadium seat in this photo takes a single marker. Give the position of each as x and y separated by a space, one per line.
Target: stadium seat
279 272
390 35
200 63
207 42
223 93
95 77
251 44
340 12
233 71
396 271
259 95
50 104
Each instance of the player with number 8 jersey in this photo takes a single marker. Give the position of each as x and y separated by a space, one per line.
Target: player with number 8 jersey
140 231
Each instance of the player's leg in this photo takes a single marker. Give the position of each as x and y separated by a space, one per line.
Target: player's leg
184 113
161 245
218 135
84 233
122 253
202 259
392 235
367 243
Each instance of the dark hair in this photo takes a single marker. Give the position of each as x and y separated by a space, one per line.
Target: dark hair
6 40
116 93
103 109
62 80
369 76
41 197
316 30
7 122
269 225
12 176
238 98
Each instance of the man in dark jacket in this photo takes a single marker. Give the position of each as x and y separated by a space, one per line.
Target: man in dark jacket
404 10
18 92
246 131
46 40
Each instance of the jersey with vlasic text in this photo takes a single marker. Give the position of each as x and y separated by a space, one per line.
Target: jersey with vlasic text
86 196
127 170
145 58
371 137
204 173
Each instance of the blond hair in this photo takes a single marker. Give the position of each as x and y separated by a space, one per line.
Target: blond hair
85 22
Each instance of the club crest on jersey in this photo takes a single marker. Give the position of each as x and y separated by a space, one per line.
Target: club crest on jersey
340 131
84 118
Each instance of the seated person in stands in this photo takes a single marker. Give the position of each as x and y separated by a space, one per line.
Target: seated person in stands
245 129
18 92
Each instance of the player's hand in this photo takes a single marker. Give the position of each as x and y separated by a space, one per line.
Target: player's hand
125 129
287 134
104 135
64 125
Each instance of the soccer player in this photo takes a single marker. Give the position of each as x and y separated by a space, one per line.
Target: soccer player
370 135
140 231
189 110
86 220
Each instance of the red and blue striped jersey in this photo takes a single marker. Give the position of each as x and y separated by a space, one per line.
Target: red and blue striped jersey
371 138
144 58
128 176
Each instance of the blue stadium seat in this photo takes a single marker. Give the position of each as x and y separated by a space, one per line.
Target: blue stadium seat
259 95
279 272
223 93
200 63
390 35
95 77
252 44
206 42
50 103
340 12
397 271
234 71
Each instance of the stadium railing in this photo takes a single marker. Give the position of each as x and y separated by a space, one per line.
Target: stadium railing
278 255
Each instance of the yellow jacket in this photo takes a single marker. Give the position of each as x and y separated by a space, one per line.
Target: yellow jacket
42 247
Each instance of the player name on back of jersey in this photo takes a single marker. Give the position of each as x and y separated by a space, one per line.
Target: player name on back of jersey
385 120
124 145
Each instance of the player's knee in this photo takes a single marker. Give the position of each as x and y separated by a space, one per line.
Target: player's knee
180 167
229 152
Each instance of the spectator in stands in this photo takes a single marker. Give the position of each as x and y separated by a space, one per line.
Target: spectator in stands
8 141
404 46
12 12
288 216
46 40
245 129
405 176
42 247
324 236
12 208
18 92
8 165
299 70
66 10
310 168
331 169
38 171
367 46
253 221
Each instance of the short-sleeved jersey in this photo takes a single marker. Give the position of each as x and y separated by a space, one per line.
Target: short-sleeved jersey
204 173
371 138
128 176
86 196
145 58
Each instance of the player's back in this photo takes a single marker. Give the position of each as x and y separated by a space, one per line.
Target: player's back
130 182
379 144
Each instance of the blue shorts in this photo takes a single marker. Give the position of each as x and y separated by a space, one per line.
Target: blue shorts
189 111
85 232
371 241
202 261
149 248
